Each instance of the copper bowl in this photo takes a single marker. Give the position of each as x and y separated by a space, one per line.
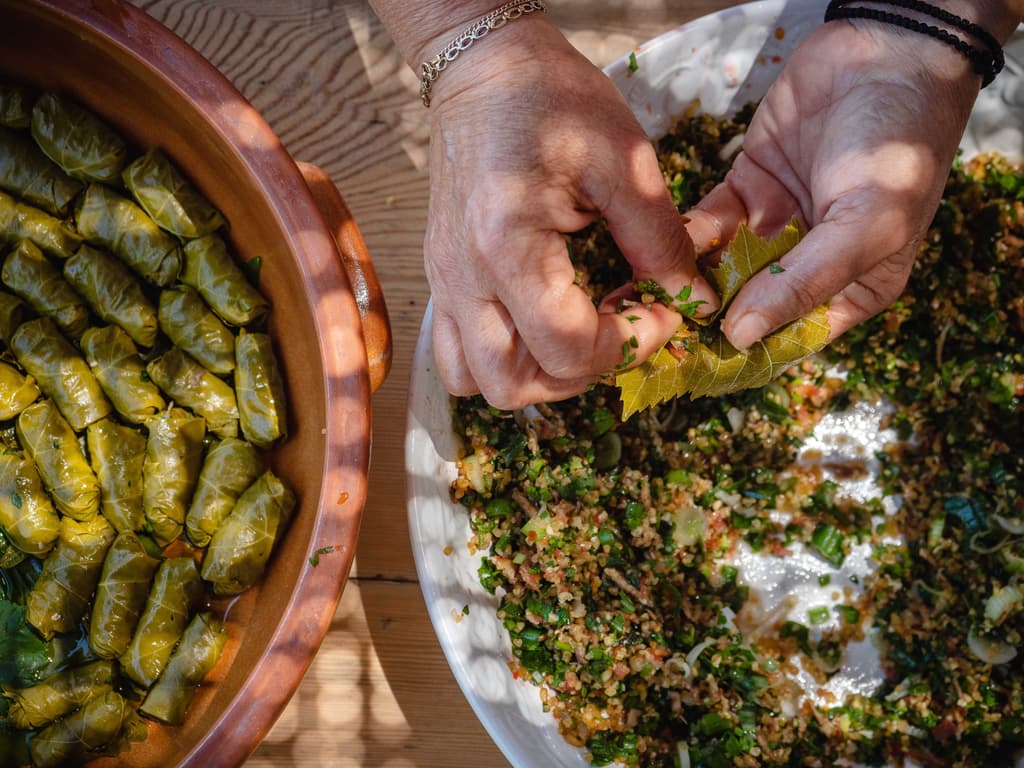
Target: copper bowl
328 320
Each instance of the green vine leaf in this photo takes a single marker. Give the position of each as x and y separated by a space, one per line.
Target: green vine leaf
705 364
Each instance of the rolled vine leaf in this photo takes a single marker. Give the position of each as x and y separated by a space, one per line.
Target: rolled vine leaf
700 362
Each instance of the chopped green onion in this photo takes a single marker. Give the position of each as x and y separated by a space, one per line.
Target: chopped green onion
818 615
847 613
828 541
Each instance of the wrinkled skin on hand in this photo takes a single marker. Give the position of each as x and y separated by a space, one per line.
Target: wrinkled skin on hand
529 140
855 139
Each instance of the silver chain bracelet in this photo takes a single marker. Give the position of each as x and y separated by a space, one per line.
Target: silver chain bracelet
496 19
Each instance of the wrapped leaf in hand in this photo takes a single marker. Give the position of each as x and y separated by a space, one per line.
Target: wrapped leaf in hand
124 586
169 198
107 219
701 362
194 658
59 694
116 363
229 468
27 515
13 312
188 383
77 140
17 391
259 389
49 441
193 327
60 372
174 454
240 548
29 274
113 292
117 453
100 727
28 174
16 105
19 221
60 597
176 594
211 270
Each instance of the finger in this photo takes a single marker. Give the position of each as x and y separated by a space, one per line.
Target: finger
567 337
649 231
749 195
714 220
501 364
449 356
848 244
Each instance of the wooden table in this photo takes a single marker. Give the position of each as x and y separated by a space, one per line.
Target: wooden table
326 77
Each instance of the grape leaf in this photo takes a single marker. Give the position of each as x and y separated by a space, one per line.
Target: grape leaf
23 654
748 254
705 364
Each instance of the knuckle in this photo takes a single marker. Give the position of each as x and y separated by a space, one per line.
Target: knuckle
803 295
503 395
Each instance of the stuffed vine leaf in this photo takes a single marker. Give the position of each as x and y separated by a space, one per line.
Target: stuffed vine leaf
121 595
17 391
701 362
27 514
13 312
115 362
169 198
188 383
117 453
174 454
240 548
28 174
98 728
211 270
30 275
59 694
53 446
259 389
113 292
176 593
194 658
60 372
77 140
60 597
10 555
19 221
193 327
16 105
107 219
229 468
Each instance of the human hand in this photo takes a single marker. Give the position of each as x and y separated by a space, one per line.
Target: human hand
855 139
529 140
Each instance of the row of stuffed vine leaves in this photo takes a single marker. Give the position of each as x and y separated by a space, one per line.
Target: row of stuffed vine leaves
150 469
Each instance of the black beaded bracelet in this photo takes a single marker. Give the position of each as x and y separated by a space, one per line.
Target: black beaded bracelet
987 62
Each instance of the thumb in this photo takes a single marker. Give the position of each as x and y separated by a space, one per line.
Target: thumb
650 232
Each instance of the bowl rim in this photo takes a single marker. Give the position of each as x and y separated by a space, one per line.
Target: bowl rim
119 25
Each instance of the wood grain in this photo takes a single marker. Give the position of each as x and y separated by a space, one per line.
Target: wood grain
325 76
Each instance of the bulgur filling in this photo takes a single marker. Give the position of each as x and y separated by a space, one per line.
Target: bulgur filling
621 550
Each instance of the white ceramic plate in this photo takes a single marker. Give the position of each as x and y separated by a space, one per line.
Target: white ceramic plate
724 60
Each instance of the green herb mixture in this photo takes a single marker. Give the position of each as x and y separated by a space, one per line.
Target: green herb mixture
612 544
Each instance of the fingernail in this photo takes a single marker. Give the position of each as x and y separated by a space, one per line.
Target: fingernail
749 328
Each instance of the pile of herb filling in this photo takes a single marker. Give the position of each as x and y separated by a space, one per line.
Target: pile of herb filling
610 544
